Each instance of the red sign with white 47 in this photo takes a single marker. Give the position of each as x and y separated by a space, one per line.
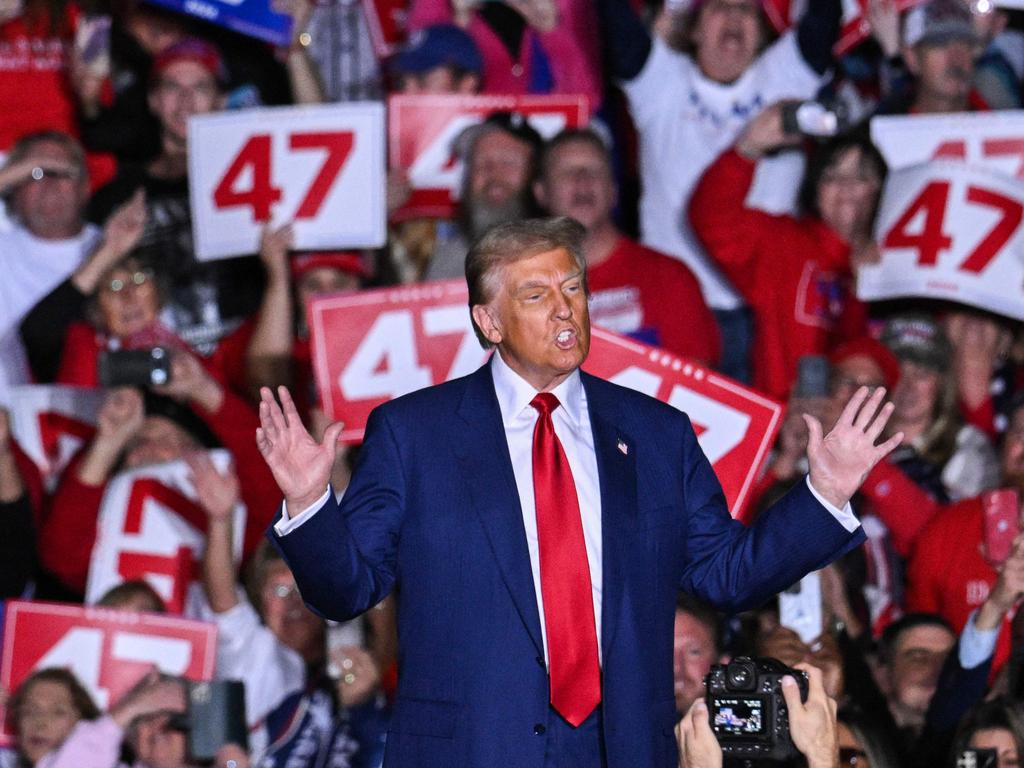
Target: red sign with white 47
108 650
373 346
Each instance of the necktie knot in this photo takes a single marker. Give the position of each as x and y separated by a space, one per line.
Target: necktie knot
545 403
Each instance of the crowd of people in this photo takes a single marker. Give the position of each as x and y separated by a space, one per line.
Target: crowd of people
715 229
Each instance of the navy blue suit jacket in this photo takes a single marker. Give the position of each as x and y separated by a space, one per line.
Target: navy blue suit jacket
433 510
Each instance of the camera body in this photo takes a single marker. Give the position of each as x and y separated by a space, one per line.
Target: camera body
747 710
134 367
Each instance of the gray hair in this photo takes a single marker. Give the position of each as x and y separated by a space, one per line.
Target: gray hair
508 243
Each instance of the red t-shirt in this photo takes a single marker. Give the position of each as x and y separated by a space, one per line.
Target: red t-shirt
655 299
34 88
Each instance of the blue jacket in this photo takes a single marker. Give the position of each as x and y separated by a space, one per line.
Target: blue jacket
433 511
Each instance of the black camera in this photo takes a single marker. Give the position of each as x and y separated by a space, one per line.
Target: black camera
134 367
747 710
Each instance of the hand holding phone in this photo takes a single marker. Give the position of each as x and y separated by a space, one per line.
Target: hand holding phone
1002 523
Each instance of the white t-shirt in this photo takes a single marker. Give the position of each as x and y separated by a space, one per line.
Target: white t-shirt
29 269
685 121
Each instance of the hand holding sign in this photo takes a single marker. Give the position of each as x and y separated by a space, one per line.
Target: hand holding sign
841 460
301 466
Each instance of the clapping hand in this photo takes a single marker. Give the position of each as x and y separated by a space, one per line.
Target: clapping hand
124 227
300 465
841 460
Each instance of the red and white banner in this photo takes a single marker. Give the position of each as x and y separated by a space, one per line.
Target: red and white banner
373 346
319 167
993 140
108 650
151 527
854 29
422 131
950 231
51 423
386 21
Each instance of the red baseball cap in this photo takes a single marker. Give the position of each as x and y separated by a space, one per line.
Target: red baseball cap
350 262
875 351
191 49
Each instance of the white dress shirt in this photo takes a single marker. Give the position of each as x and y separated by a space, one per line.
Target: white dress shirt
572 425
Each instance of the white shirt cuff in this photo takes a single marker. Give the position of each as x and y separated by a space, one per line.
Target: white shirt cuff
976 645
844 516
286 524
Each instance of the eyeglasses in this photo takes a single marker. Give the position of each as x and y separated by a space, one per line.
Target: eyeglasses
38 173
135 279
852 756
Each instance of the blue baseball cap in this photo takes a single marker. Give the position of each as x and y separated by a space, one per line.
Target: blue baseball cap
438 46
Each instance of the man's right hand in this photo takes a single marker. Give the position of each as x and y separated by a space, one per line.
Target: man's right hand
300 465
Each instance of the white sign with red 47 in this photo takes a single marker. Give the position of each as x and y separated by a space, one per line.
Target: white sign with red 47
994 140
151 526
51 423
950 231
321 168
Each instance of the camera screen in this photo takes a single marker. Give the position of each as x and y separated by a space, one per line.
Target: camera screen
738 716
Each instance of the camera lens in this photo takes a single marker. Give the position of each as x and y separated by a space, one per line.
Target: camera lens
740 676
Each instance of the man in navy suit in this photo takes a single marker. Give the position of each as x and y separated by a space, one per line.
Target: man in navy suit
537 524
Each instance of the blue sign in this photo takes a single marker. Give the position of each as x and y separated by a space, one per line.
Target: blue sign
254 18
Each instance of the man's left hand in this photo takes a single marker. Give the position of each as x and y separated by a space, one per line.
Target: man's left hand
841 460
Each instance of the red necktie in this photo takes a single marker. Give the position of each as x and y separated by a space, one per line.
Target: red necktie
564 574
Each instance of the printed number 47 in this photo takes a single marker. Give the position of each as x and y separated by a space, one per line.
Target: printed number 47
932 239
253 163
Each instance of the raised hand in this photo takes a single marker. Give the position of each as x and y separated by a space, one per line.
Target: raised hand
274 247
120 417
124 227
190 382
300 465
218 491
841 460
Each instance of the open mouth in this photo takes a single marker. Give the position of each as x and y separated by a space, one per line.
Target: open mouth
566 339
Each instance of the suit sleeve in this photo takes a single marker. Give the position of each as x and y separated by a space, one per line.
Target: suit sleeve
344 557
736 568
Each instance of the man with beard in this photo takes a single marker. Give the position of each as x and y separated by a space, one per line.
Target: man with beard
500 157
633 290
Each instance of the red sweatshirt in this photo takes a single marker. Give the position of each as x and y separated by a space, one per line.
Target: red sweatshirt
793 273
655 298
947 573
69 530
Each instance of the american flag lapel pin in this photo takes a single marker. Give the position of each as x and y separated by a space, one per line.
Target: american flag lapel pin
623 448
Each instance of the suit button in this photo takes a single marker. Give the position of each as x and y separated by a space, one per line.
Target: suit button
538 730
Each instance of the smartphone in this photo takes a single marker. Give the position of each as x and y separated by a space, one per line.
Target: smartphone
1002 523
812 376
134 367
92 41
977 758
215 717
800 607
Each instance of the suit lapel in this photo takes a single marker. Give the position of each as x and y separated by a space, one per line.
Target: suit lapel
616 468
482 450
